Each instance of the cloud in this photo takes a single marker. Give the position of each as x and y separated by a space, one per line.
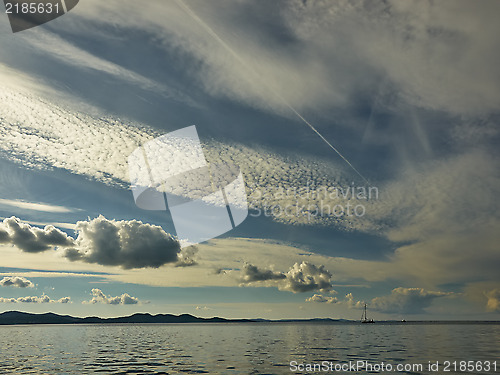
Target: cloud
493 303
448 195
203 308
99 297
4 235
319 298
348 301
20 282
347 48
38 129
35 206
401 300
306 277
60 137
186 257
406 300
252 274
352 303
57 47
441 210
34 299
300 278
129 244
32 239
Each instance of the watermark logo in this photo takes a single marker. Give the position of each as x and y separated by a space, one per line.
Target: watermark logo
171 172
25 14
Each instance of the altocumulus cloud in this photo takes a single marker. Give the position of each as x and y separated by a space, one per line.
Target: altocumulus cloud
17 281
99 297
35 299
303 277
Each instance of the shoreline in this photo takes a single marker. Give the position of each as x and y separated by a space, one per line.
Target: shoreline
24 318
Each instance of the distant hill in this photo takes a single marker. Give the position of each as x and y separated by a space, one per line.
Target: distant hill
18 317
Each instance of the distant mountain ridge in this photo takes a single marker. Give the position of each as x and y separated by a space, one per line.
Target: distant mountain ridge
19 317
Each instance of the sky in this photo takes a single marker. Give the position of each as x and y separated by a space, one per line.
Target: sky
365 133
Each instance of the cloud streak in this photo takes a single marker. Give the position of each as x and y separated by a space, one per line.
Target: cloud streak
337 51
35 206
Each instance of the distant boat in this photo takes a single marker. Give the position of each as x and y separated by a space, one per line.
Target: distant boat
364 318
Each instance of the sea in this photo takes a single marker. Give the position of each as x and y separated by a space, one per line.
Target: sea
250 348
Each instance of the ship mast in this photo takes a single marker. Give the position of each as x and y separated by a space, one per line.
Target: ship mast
363 315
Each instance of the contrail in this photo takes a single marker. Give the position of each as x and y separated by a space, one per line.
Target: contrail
212 33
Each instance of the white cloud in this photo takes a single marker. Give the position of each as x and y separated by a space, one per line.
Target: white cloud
99 297
319 298
17 281
425 52
43 135
34 299
348 301
444 196
203 308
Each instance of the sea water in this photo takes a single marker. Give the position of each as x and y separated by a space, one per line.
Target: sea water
253 348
